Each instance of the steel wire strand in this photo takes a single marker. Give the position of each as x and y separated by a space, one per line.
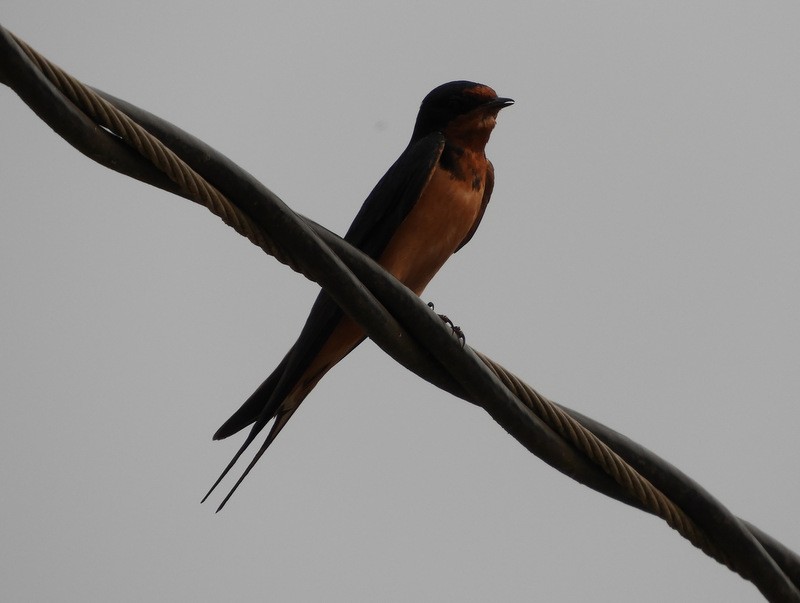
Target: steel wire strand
763 553
625 475
782 562
119 124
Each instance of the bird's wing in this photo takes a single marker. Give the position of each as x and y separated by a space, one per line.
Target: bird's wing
384 209
395 194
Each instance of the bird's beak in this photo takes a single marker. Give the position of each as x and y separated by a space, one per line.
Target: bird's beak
500 102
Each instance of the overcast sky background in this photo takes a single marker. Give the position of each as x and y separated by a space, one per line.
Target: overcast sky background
638 262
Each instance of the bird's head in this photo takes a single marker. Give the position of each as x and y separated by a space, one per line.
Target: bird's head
463 111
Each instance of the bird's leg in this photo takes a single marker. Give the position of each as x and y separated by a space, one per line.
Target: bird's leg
455 328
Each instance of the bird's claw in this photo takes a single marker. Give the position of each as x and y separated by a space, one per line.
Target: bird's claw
447 321
453 327
459 335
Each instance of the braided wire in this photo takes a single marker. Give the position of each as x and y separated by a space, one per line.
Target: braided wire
608 460
207 195
151 148
202 192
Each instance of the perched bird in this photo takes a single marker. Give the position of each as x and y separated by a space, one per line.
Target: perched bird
424 209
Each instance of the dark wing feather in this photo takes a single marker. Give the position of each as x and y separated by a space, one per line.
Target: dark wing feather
384 209
395 194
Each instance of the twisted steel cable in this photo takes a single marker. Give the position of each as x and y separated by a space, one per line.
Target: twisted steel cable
200 190
119 124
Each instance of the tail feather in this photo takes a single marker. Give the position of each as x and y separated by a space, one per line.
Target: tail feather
279 396
274 398
280 421
250 437
253 407
258 409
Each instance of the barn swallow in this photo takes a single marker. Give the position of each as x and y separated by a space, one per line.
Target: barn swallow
424 209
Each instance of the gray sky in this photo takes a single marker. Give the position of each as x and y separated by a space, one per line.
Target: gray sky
638 263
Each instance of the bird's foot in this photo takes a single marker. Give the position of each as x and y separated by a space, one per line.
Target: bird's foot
453 327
